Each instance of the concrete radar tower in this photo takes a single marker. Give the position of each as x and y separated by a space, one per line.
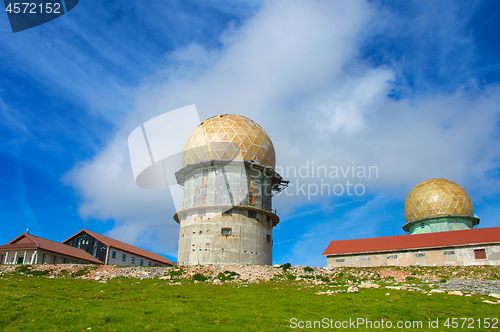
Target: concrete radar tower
228 178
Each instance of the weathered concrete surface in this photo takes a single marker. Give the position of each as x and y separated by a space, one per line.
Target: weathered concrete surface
454 256
202 240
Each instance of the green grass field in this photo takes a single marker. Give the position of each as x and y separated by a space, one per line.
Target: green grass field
64 304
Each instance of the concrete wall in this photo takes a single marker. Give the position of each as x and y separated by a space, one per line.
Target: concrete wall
201 240
461 256
38 257
233 184
128 259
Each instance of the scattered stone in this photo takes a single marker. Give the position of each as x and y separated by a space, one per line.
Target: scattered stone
352 289
459 293
368 285
468 280
328 292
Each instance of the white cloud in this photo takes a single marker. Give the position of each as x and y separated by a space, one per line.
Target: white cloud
359 222
295 69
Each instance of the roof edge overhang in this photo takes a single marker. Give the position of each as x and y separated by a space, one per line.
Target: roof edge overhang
274 216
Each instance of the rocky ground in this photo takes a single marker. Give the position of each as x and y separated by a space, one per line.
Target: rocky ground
461 281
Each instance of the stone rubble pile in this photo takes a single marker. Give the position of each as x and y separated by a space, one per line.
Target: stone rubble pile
464 280
477 286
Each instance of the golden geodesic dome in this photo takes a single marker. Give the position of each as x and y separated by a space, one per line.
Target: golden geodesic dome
435 198
229 137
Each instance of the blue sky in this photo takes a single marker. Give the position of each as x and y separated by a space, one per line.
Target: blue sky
409 87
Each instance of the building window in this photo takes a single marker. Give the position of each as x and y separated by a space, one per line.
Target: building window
132 260
227 212
480 254
251 214
226 231
365 259
268 238
141 262
124 257
149 263
201 232
113 254
422 225
449 252
420 254
392 257
340 260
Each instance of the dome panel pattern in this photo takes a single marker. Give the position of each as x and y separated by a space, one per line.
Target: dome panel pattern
229 137
437 197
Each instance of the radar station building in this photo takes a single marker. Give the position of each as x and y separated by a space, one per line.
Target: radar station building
440 221
229 179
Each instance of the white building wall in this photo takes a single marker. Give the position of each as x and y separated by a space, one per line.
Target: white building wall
128 259
38 256
459 256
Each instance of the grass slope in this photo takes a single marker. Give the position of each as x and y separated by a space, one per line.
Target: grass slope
60 304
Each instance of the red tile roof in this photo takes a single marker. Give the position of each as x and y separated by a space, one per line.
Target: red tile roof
28 241
125 247
415 241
